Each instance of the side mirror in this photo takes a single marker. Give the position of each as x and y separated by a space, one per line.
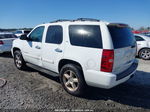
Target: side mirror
23 37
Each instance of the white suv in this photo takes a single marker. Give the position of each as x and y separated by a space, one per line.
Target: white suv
81 52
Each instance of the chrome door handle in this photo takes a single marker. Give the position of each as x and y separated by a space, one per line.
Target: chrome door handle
37 47
58 50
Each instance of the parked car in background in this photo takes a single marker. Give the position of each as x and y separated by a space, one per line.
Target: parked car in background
18 33
81 52
143 46
6 40
147 35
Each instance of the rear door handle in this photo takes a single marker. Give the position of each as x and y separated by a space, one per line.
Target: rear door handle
37 47
58 50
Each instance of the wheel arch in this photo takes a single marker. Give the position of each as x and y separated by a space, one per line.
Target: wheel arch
63 62
14 49
141 56
142 49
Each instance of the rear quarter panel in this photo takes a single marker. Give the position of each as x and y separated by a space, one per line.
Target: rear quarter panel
89 58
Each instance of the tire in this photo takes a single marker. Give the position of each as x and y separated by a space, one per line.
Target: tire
144 54
19 61
72 80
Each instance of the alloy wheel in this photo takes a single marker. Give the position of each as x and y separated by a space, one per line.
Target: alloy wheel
145 54
18 60
70 80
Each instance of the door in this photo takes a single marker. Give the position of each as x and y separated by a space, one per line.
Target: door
33 46
52 48
140 42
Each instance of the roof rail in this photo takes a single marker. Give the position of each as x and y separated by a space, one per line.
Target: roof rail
78 19
60 20
88 19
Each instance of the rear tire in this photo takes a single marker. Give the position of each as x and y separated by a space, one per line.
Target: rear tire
19 61
72 80
144 54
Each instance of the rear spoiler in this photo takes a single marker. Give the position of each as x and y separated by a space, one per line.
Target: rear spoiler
118 25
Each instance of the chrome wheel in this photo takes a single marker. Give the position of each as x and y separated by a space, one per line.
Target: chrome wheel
18 60
70 80
145 54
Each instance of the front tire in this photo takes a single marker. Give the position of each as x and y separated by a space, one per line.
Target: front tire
144 54
72 80
19 61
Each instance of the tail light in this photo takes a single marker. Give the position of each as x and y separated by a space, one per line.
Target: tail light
107 60
1 42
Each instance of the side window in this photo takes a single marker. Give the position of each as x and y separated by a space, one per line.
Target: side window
54 35
85 36
138 38
36 34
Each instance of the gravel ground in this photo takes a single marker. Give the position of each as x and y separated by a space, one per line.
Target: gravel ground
33 90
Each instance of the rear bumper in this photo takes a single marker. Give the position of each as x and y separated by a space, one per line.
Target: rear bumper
5 49
1 51
127 72
12 52
109 80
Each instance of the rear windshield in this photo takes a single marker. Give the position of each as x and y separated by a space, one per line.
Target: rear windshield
121 36
4 36
85 36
